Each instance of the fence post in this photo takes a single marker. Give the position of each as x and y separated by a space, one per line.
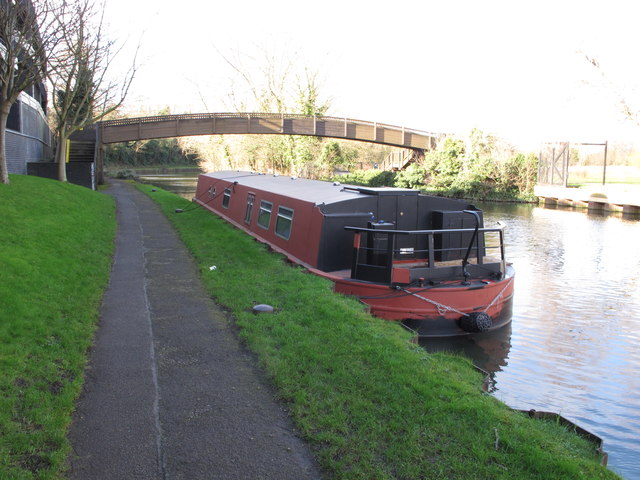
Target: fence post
604 169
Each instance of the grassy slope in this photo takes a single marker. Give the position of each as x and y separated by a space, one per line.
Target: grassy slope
371 404
56 242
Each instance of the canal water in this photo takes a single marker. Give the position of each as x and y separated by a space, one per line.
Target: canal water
573 346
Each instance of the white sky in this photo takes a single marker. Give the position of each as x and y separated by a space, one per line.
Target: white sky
512 68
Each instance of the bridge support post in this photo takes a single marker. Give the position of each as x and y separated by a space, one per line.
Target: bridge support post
98 156
99 163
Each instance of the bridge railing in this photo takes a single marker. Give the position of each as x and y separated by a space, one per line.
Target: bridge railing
165 126
206 116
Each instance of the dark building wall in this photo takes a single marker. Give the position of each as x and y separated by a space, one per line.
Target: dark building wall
28 136
78 173
34 124
22 149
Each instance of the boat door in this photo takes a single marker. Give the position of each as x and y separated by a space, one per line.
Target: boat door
407 219
402 211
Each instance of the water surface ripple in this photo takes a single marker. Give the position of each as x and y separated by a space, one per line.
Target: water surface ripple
574 343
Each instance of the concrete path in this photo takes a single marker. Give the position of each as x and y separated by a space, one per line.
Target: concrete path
170 393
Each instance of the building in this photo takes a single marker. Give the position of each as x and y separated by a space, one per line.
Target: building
28 137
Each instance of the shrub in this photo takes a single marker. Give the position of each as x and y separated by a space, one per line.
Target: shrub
478 174
369 178
486 172
412 177
126 175
163 151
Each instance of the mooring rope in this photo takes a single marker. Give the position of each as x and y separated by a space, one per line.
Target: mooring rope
498 296
443 309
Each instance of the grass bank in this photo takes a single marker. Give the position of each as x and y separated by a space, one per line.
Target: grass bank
615 174
56 242
371 404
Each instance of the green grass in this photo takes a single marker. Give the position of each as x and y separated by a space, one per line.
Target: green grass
371 404
615 175
56 242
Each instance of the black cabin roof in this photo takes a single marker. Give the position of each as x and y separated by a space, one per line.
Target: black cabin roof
314 191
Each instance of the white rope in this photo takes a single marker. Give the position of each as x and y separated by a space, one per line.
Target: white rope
499 295
443 309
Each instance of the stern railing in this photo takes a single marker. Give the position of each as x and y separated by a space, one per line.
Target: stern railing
375 255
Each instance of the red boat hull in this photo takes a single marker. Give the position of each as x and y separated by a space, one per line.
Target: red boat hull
436 310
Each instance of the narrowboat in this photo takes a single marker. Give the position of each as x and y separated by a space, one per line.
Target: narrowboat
408 256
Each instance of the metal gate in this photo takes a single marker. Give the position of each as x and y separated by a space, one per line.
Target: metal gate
553 165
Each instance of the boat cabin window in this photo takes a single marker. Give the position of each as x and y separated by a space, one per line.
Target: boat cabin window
264 217
226 197
247 214
283 223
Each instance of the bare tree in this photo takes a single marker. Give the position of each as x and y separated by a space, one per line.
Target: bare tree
272 81
83 90
29 31
628 111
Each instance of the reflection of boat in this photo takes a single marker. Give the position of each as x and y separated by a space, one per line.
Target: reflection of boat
489 351
404 254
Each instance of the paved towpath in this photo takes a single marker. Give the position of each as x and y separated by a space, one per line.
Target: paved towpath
170 392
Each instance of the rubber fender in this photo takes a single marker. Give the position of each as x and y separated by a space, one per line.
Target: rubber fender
475 322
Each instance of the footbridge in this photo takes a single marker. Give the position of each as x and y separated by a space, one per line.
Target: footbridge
166 126
87 145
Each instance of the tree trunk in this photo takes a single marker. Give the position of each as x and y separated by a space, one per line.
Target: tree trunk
4 170
61 156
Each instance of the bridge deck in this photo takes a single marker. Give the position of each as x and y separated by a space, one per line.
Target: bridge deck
130 129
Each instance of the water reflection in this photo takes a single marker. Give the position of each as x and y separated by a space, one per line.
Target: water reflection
489 350
181 183
575 333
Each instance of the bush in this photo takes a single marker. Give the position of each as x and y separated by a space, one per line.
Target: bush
125 175
412 177
163 151
451 170
368 178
